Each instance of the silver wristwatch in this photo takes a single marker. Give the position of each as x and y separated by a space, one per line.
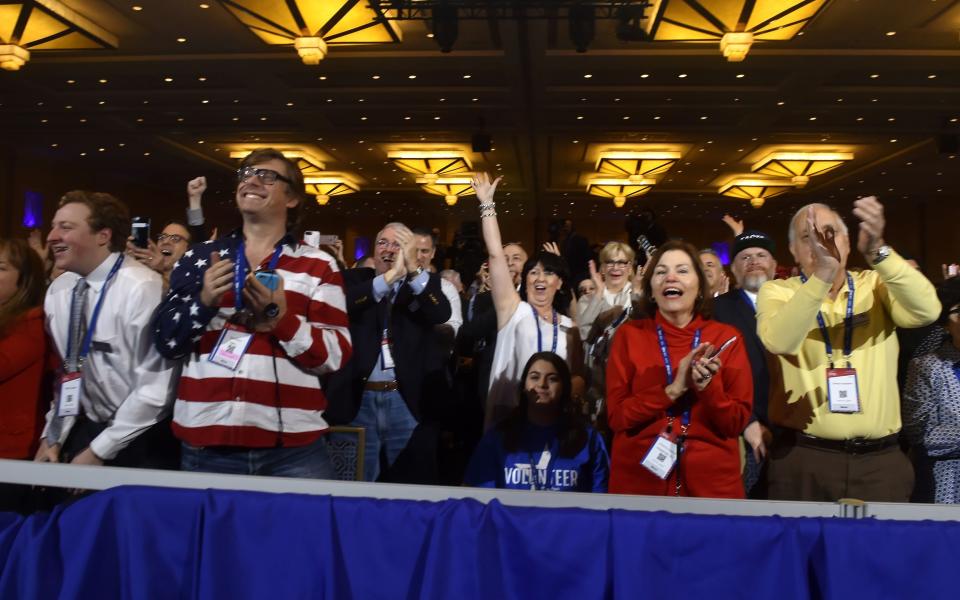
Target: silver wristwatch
880 254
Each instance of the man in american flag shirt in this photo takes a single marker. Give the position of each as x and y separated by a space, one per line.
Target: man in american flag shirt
256 317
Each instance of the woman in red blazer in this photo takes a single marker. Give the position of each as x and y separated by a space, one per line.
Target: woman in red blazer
22 348
676 421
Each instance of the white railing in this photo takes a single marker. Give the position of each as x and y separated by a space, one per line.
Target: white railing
100 478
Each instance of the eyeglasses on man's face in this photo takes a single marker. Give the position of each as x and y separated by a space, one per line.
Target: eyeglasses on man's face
385 243
623 264
173 237
266 176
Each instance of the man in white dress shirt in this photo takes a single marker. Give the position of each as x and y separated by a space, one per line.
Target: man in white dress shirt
112 385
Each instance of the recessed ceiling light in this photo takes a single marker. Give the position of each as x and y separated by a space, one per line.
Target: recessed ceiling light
235 119
436 118
874 76
101 149
874 99
467 76
626 118
682 75
322 78
893 141
181 39
411 76
587 75
703 118
443 99
103 81
83 154
892 119
201 78
204 102
204 5
71 81
263 118
953 120
859 118
579 117
656 117
289 103
813 118
179 119
146 154
616 99
781 103
54 145
375 77
931 76
102 102
576 141
363 118
644 75
891 33
474 99
200 141
136 8
430 35
741 75
168 79
406 118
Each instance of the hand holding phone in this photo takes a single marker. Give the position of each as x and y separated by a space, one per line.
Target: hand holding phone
722 347
269 279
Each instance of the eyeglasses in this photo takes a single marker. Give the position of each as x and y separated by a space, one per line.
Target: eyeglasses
383 243
267 176
617 263
174 238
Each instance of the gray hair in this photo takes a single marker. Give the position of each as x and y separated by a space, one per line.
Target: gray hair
708 251
395 225
791 234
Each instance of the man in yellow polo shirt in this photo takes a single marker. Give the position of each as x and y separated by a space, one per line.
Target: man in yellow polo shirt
833 374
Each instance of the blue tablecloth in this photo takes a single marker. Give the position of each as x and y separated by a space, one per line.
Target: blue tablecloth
139 542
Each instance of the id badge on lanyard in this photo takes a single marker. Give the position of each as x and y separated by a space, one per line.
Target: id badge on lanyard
69 405
661 458
843 393
386 357
230 348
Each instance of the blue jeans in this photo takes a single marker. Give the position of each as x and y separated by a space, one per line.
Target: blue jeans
309 462
388 424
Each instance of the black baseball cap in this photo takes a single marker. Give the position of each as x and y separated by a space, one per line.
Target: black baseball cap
752 238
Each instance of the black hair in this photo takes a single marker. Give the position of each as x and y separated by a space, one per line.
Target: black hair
948 293
571 424
551 263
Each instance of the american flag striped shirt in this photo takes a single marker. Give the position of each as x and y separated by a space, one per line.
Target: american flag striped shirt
274 396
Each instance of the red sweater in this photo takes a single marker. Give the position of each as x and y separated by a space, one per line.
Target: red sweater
22 363
637 407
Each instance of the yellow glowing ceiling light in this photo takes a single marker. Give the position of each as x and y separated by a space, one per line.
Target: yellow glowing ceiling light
619 189
636 166
39 25
326 185
755 190
431 164
736 24
451 188
800 166
308 164
312 25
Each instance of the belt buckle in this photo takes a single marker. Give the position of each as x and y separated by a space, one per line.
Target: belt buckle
858 445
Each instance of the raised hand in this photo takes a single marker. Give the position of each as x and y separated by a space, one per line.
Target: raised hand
826 255
484 187
150 256
735 225
217 280
551 247
596 277
870 212
35 241
196 187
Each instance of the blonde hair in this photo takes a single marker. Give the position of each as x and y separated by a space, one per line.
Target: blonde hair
614 247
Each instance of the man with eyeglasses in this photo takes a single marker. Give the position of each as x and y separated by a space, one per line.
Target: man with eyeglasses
256 317
753 265
393 310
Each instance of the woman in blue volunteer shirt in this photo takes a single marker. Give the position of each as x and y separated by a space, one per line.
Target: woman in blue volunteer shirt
545 444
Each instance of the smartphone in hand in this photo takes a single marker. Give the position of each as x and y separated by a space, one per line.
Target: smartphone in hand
140 230
722 347
269 279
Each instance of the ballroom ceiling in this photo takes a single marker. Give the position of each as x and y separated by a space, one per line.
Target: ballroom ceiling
188 83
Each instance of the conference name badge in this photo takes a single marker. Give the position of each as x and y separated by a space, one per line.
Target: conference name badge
661 457
386 356
230 348
842 393
69 405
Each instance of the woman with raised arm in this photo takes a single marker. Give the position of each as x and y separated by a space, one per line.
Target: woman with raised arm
529 321
679 388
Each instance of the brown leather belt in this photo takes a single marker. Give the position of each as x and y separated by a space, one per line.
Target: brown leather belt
851 446
381 386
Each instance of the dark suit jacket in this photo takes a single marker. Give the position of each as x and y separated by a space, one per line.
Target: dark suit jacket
733 308
411 321
483 327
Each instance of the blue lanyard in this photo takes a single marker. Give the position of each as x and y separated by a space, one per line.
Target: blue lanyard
666 361
240 271
88 338
847 325
536 321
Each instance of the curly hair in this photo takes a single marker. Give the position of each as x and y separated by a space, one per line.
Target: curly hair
106 212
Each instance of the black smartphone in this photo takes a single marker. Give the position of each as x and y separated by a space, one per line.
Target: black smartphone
140 230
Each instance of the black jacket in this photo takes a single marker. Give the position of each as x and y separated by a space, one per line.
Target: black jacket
411 321
734 308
